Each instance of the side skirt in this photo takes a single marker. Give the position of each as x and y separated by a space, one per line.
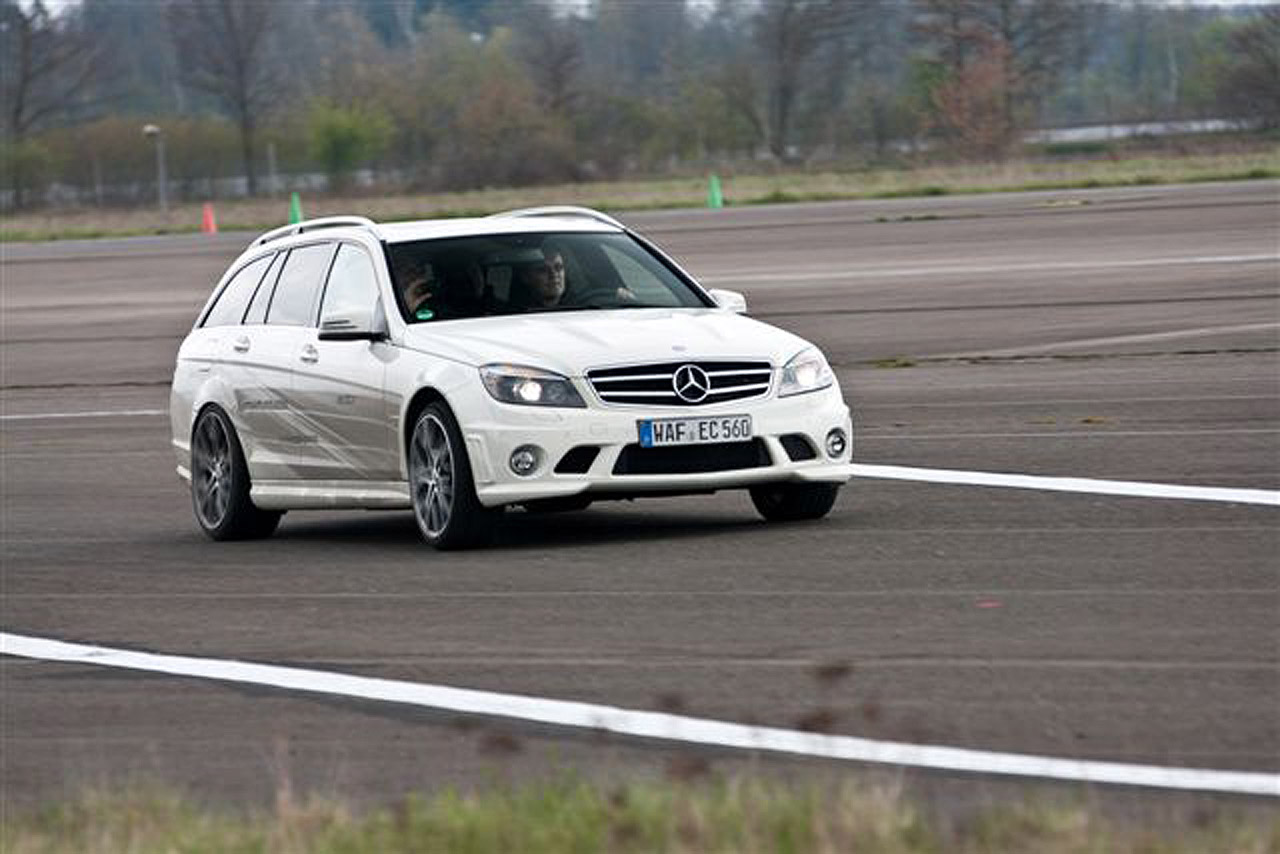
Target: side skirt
330 495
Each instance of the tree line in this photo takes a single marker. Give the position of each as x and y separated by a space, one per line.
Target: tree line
423 95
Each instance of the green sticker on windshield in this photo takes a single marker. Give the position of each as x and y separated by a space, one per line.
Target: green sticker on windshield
424 314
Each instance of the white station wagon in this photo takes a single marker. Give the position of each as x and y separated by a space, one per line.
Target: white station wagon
545 358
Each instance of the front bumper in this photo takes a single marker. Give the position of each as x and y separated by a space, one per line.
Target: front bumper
555 432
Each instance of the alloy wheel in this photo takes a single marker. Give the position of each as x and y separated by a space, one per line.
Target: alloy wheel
211 470
432 475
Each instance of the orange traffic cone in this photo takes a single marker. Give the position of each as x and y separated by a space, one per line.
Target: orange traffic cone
208 224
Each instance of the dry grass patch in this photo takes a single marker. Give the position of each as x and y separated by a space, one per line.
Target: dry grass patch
260 214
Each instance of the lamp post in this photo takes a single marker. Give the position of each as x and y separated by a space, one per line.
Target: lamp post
157 135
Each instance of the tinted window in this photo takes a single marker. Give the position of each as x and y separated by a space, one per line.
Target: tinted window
645 281
353 283
512 273
230 306
294 301
257 312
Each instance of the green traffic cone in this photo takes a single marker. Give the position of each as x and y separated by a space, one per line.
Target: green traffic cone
295 209
715 199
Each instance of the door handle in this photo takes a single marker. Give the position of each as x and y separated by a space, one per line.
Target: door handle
241 345
310 354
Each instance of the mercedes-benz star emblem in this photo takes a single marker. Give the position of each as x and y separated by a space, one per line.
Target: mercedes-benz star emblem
691 383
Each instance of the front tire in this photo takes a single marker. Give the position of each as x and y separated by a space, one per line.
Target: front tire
794 502
448 513
220 483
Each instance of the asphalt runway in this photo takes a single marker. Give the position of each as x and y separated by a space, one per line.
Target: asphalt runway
1118 334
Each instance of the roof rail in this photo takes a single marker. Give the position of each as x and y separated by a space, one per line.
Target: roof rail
563 210
313 225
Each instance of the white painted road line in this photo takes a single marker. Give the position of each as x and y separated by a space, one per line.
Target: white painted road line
896 271
1144 338
967 478
1097 433
99 413
1138 489
650 725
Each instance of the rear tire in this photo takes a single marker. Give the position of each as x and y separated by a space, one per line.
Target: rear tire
794 502
220 483
445 506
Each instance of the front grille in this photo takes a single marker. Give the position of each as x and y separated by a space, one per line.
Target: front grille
693 459
653 385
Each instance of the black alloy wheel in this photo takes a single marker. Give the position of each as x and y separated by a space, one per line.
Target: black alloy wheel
448 513
220 483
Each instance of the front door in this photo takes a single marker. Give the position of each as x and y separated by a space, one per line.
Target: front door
339 385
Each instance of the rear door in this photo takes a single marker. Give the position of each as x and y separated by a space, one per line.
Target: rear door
203 348
340 384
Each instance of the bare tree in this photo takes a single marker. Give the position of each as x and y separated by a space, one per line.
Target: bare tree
551 48
1251 86
1034 38
767 82
971 105
223 48
789 34
952 28
46 64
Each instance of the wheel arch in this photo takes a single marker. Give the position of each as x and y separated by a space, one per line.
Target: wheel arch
419 401
200 410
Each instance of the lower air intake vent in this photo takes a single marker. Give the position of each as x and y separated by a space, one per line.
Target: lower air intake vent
798 447
578 460
692 459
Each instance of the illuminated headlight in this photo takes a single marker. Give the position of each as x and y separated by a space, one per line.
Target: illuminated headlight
807 371
529 386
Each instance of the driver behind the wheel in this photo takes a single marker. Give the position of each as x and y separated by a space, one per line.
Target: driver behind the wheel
541 283
417 282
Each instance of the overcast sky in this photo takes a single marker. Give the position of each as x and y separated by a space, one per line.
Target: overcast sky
58 5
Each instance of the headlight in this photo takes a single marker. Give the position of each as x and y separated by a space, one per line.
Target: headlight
807 371
529 386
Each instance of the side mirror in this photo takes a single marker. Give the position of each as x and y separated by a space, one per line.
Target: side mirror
732 300
353 324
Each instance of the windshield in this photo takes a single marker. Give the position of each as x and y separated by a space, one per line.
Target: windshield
501 274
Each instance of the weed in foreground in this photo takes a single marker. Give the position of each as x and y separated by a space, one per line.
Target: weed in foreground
564 816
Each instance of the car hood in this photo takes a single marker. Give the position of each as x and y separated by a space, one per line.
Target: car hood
573 342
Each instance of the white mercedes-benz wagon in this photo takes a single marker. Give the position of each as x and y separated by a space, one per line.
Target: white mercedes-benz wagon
545 358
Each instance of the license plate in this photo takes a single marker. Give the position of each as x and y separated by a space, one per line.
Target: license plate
658 432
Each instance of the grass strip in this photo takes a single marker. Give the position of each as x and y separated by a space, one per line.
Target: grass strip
738 814
739 190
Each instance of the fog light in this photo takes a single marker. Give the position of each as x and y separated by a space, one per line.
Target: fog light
836 443
524 460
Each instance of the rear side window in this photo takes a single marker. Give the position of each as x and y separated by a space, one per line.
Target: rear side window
233 300
294 301
257 312
353 284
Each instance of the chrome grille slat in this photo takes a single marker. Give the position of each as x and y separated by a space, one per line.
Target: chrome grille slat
651 384
737 388
637 377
